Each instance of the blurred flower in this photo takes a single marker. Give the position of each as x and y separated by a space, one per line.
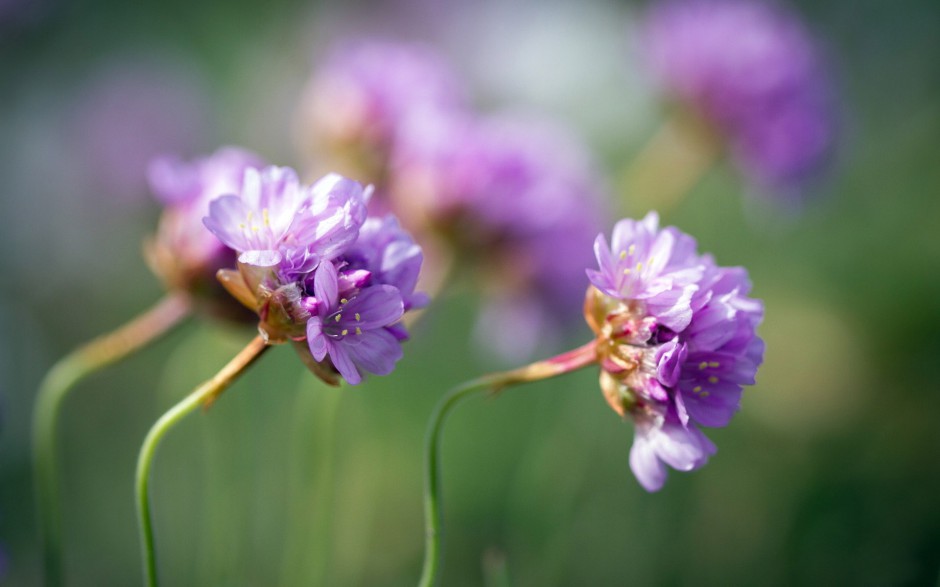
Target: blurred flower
676 341
183 253
494 196
518 201
317 272
753 70
133 112
359 97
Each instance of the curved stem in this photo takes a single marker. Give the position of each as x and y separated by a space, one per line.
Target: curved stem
203 395
57 384
570 361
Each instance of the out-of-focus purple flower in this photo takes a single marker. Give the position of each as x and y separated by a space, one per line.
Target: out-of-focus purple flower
132 112
518 198
363 92
183 253
317 272
752 69
676 342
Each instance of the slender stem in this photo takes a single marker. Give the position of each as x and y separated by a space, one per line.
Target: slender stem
433 545
672 162
203 395
57 384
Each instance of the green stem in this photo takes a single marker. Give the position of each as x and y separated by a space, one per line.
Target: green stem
433 545
204 395
57 384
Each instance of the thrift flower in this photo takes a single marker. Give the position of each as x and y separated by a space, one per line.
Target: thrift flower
504 192
362 93
754 71
183 253
319 273
676 341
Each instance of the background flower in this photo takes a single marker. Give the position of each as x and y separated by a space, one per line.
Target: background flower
755 72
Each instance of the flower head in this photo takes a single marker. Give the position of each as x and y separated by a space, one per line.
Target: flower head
276 221
183 253
317 272
676 341
754 71
503 192
364 91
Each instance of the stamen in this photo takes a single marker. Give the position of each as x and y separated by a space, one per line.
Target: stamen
703 365
338 317
714 364
697 389
267 218
713 379
344 301
704 394
623 255
631 250
639 267
358 330
358 317
344 332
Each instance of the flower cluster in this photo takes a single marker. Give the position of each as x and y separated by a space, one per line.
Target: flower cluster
754 71
182 252
317 271
496 194
676 341
361 95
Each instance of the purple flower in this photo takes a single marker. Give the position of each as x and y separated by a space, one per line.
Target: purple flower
365 90
390 256
129 113
183 253
317 272
504 192
186 188
276 221
754 70
676 342
353 330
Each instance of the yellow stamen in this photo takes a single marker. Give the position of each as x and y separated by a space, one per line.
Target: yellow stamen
344 332
344 301
623 255
639 266
703 365
338 316
704 394
266 216
714 364
697 389
713 379
358 330
358 317
631 249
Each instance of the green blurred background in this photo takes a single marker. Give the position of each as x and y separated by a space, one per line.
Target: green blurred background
829 475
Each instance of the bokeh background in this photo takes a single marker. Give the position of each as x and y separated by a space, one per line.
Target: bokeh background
829 475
